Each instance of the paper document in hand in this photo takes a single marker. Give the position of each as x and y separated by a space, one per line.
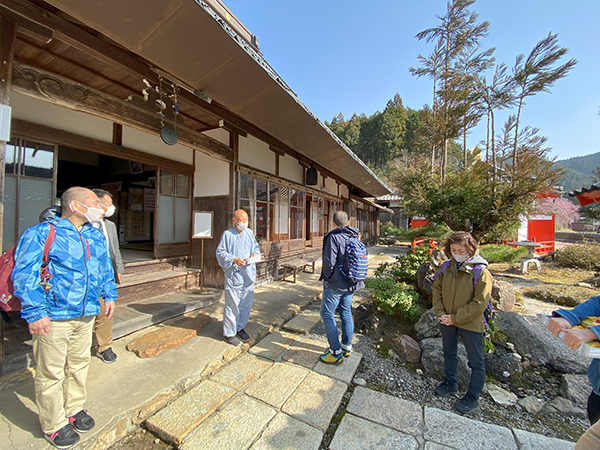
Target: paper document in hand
259 257
589 349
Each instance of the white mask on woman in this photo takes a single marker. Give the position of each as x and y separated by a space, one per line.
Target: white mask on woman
460 258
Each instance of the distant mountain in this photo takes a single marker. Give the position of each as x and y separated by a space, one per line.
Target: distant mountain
578 170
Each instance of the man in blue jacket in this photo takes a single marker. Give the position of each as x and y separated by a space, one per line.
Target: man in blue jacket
564 320
337 290
61 312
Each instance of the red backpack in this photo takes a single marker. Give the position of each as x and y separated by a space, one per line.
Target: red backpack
8 301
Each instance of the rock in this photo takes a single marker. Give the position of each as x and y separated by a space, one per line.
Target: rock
563 405
502 367
425 275
532 339
407 349
369 321
432 358
159 341
532 404
503 296
428 325
360 382
502 397
576 388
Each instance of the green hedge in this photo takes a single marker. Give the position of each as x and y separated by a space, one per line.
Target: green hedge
496 253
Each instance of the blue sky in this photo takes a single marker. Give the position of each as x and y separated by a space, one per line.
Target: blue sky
352 56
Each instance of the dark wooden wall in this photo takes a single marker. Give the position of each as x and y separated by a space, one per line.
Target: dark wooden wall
219 205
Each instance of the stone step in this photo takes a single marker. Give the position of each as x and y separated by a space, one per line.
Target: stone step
137 316
304 322
156 265
165 338
141 286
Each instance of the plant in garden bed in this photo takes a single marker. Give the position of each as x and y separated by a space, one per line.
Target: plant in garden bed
405 267
498 253
581 256
392 297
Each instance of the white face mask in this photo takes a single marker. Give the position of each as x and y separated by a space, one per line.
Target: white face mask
242 225
92 214
110 210
460 258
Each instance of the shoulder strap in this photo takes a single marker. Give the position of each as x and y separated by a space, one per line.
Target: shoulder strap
445 266
48 244
477 271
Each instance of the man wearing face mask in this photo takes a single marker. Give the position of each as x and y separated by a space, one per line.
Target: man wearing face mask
61 312
103 326
237 245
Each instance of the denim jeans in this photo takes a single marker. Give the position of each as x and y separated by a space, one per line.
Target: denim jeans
474 345
342 301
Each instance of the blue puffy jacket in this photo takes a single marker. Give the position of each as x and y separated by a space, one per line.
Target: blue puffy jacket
589 308
334 252
81 272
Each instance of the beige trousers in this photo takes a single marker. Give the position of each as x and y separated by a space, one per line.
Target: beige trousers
63 357
103 329
590 440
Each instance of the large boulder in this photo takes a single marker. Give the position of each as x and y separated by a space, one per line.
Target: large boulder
407 349
432 359
576 388
425 275
428 325
502 367
503 296
368 320
531 337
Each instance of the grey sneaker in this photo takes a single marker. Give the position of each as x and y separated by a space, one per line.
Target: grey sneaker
243 335
108 356
82 422
467 404
445 389
233 340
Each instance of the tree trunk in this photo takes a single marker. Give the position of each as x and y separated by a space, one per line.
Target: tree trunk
465 145
515 144
487 139
493 132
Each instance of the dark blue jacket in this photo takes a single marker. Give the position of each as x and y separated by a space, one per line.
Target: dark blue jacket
334 252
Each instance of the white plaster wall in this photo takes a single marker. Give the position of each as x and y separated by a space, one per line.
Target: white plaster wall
218 134
331 186
46 113
344 191
211 176
255 153
153 144
290 169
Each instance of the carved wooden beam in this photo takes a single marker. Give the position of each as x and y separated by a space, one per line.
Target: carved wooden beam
62 91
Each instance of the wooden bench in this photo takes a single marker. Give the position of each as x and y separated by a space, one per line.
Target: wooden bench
297 264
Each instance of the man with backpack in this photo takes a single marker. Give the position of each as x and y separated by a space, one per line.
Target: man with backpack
343 272
60 309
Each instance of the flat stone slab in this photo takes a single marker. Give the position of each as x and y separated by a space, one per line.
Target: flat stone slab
392 412
237 426
156 342
305 352
286 433
316 400
304 322
343 372
456 431
434 446
177 420
274 344
355 433
242 372
532 441
277 384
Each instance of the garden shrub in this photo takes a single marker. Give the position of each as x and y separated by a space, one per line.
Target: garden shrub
392 297
495 253
405 268
580 256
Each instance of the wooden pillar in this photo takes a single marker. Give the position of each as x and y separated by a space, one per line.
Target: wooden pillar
234 143
8 31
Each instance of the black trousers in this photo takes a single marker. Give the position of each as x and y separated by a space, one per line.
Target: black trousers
593 408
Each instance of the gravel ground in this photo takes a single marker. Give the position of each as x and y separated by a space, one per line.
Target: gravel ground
384 372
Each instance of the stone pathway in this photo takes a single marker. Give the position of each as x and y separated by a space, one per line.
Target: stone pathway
279 396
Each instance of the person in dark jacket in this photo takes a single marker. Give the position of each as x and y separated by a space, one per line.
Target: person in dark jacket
337 291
